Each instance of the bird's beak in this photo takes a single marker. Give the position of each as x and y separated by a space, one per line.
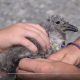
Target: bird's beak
71 28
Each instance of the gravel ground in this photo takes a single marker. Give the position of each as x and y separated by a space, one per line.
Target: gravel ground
35 11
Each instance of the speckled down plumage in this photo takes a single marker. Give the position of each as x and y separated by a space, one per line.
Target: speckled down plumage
56 28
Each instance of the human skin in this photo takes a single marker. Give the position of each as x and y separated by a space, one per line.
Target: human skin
18 33
31 69
60 63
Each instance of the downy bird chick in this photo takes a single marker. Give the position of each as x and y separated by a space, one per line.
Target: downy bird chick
56 28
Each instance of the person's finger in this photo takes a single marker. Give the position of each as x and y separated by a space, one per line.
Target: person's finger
65 57
35 65
28 44
22 72
33 35
71 59
44 36
41 66
40 35
58 56
39 28
43 60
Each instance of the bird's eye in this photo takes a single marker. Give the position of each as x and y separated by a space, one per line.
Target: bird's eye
58 22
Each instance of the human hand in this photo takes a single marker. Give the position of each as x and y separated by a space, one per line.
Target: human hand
70 54
18 33
65 58
48 68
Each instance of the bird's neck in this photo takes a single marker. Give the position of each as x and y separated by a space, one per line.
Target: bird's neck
56 39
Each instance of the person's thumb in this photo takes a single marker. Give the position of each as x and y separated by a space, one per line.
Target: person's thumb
58 56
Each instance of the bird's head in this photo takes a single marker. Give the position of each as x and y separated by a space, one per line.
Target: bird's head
56 28
58 23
